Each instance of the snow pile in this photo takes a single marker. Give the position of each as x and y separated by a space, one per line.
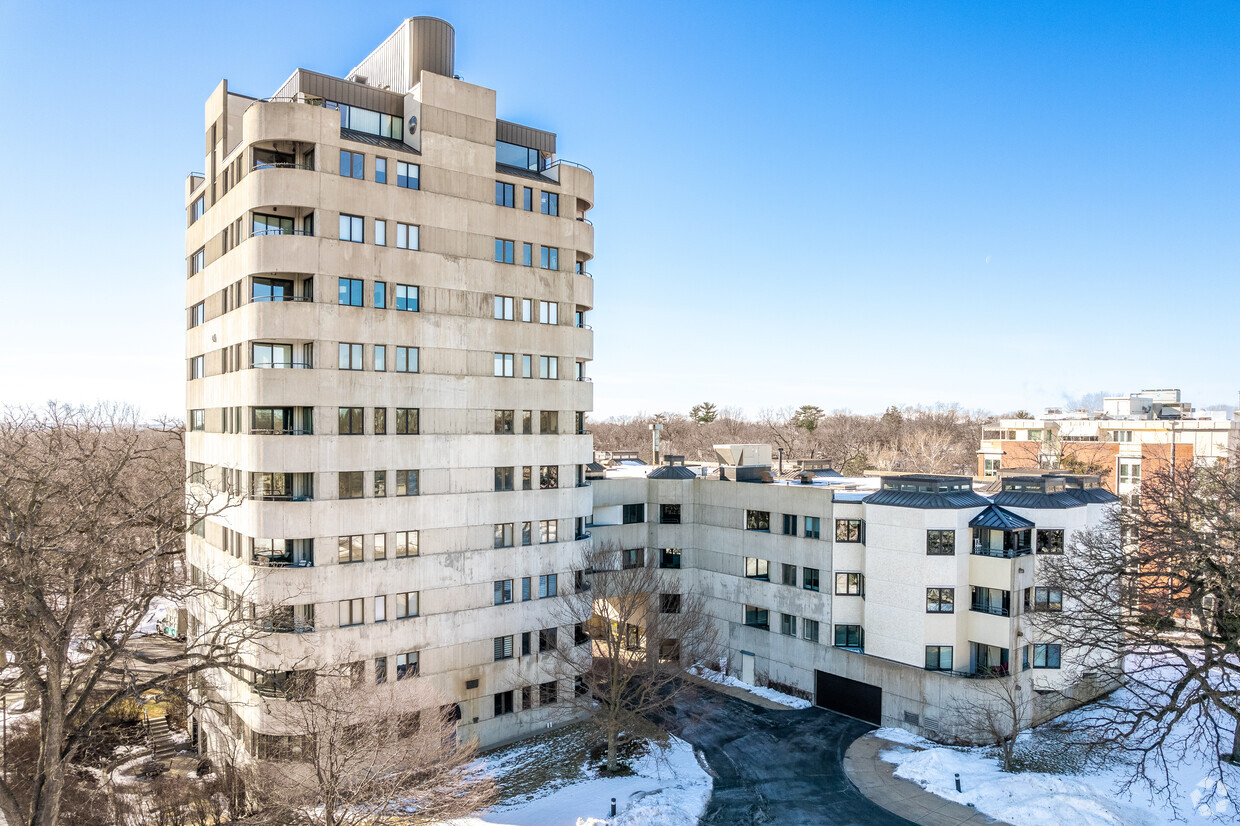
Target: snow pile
157 614
758 691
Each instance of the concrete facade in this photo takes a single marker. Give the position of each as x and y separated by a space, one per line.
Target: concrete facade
361 373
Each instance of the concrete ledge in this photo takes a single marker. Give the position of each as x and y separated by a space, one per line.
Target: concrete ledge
875 778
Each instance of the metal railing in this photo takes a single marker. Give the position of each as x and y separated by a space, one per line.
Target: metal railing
586 221
284 365
266 165
264 299
255 233
562 162
998 612
584 378
273 431
1000 553
586 274
582 536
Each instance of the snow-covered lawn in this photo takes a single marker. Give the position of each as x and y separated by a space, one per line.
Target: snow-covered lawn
757 690
552 782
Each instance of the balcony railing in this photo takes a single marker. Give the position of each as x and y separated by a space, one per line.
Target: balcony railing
990 609
582 536
274 431
283 365
1001 553
264 165
261 299
254 233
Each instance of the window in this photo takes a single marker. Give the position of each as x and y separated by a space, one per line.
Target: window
849 585
547 586
938 658
990 467
407 421
940 543
503 703
407 605
527 534
503 479
548 639
849 530
527 369
548 693
669 558
788 625
406 483
503 307
940 600
549 258
503 365
991 601
406 544
527 258
350 421
527 309
527 199
197 314
548 367
669 603
352 164
525 588
757 569
351 292
380 236
381 170
504 422
352 228
380 421
632 514
198 261
1046 655
261 224
380 358
406 665
527 424
349 549
407 237
548 477
756 617
504 194
1121 436
351 612
548 312
548 530
1047 599
408 175
197 209
1050 541
549 421
503 591
380 295
790 575
813 527
550 203
197 367
633 558
503 251
1130 472
406 359
503 648
380 545
197 473
790 524
849 636
380 669
757 520
669 514
351 484
263 355
197 420
406 297
503 535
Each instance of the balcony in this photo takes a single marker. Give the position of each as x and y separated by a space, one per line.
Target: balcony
980 549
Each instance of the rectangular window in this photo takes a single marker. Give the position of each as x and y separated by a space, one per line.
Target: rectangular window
550 203
351 421
503 535
351 292
198 209
503 703
813 527
197 314
406 544
380 358
1118 436
548 312
408 175
940 543
198 420
380 421
407 665
380 295
381 170
351 612
406 359
527 199
991 601
407 605
380 543
669 558
549 258
351 484
504 424
198 261
527 368
503 365
407 421
548 693
548 367
352 164
633 558
547 586
938 658
669 603
380 667
503 591
851 585
788 625
349 549
940 600
527 309
548 477
548 639
548 529
790 575
504 479
352 228
669 514
504 194
527 427
525 589
527 259
197 367
504 307
756 617
849 530
380 233
406 483
1047 599
809 629
549 421
757 520
503 251
632 514
1130 472
1046 655
790 524
407 237
849 636
1050 541
757 569
990 467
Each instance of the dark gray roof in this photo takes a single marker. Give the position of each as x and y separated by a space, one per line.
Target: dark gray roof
1093 495
1033 499
672 472
953 500
1000 518
817 473
377 140
595 467
524 173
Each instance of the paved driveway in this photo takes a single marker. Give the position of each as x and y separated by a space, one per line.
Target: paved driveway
776 767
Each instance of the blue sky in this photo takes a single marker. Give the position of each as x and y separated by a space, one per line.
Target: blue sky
850 204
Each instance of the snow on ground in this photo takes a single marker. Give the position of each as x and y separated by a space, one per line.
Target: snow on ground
668 787
757 690
160 610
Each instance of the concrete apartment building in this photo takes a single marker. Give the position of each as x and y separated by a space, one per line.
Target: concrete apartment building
1130 432
884 598
387 354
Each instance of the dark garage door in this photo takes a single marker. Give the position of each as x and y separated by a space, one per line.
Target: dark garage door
856 699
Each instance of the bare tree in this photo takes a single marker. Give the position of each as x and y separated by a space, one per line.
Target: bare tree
995 710
645 632
1157 588
373 755
93 514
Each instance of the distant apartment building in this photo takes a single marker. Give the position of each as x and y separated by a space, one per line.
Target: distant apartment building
387 353
890 599
1129 434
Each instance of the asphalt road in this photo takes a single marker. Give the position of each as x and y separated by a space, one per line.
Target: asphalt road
776 767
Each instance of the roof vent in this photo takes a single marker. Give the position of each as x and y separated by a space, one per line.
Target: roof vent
359 79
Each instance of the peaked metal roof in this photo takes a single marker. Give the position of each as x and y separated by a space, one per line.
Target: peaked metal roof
1000 518
953 500
1033 499
672 472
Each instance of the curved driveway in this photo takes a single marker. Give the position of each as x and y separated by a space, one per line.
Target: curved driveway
776 767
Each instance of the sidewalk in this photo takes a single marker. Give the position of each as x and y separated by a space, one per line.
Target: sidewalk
875 779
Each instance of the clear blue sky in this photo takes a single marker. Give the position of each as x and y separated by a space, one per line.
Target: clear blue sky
850 204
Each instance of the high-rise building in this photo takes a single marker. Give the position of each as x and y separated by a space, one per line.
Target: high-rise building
387 355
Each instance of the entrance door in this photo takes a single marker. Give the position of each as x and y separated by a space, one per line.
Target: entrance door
747 668
856 699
